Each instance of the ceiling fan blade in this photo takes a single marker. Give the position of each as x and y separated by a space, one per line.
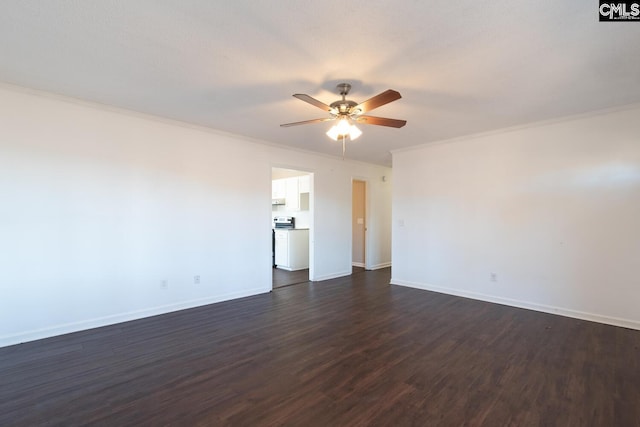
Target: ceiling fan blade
380 121
306 122
383 98
312 101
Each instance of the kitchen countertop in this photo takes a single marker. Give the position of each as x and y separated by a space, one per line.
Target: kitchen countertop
290 229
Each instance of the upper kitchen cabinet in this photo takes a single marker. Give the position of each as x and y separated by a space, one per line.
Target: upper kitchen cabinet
304 183
293 194
294 190
278 189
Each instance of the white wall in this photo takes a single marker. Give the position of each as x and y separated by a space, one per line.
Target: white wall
97 206
552 210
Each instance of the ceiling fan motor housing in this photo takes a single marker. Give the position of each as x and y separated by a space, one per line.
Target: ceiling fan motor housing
343 107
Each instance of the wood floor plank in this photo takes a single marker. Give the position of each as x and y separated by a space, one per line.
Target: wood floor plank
352 351
283 278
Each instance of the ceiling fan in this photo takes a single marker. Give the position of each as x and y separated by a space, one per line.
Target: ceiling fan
348 112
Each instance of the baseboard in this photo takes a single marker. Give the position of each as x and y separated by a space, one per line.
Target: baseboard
67 328
561 311
357 264
379 266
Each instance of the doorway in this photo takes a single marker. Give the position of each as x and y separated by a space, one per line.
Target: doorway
291 219
358 225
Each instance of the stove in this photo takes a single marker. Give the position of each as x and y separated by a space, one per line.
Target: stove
284 222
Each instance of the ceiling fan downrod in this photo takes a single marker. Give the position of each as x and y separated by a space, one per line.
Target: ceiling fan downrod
343 89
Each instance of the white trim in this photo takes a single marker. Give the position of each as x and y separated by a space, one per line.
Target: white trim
357 264
379 266
166 120
561 311
516 128
122 317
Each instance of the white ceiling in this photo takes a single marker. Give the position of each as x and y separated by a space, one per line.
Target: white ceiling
462 67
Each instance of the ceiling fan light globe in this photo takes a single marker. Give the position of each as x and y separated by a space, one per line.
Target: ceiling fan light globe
333 133
354 132
343 126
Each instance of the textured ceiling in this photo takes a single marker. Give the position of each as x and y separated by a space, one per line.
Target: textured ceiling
462 67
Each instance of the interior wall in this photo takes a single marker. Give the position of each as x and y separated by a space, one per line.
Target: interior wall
109 215
544 217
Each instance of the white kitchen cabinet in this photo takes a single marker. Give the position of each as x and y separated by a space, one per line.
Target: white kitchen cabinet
278 189
292 249
293 194
282 248
304 183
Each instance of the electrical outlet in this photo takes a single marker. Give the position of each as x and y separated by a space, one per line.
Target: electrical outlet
494 277
196 280
164 284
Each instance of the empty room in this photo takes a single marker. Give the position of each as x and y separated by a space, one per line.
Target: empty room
314 213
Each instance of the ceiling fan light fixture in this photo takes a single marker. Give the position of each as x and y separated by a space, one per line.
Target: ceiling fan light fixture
343 126
345 112
333 133
354 132
343 129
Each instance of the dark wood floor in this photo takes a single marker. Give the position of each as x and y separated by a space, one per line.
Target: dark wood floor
283 278
286 278
346 352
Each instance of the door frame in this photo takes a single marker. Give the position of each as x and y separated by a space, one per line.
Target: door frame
311 212
367 258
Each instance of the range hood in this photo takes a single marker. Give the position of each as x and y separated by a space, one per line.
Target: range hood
278 202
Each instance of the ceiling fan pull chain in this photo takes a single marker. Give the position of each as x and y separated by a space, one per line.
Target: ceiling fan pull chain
343 146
